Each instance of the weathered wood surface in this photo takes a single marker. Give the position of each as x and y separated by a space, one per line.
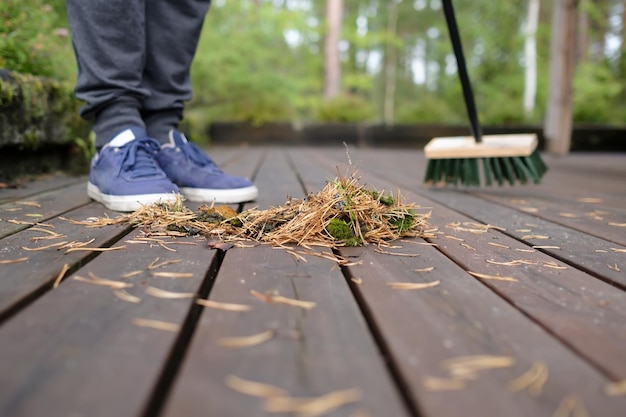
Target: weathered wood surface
79 350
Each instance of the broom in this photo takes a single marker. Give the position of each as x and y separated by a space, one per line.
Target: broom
454 160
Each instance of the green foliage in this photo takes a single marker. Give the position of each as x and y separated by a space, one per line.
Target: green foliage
32 43
262 60
596 93
343 231
345 108
429 108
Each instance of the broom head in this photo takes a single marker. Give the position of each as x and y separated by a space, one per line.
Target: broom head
510 158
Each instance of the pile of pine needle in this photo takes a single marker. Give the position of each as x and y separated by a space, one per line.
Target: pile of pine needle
343 213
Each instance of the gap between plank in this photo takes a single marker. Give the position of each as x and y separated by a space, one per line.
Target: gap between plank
392 367
176 357
43 289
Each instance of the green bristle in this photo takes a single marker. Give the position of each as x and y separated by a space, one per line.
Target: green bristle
467 171
520 169
497 171
453 168
538 163
473 177
509 172
487 170
430 171
532 170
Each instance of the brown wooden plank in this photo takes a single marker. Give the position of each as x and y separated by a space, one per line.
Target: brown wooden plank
590 216
77 352
41 207
23 281
276 180
313 352
592 254
462 317
582 311
33 186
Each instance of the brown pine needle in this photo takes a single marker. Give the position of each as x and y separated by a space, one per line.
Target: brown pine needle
552 264
525 250
154 264
408 255
466 246
430 268
254 389
590 200
568 215
613 267
159 293
545 247
124 295
29 203
223 306
432 383
498 245
246 341
492 277
48 231
571 406
13 261
615 389
466 367
455 238
618 250
357 281
412 285
172 274
97 249
132 273
59 277
279 299
156 324
52 245
313 407
534 379
538 237
617 224
105 282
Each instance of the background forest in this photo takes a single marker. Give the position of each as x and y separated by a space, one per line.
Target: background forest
379 61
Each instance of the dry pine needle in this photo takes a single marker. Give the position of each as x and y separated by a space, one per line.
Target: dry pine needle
223 306
246 341
412 285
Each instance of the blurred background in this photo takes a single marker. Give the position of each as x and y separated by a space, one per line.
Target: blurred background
368 61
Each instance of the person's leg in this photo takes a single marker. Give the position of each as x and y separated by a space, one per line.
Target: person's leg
172 32
109 42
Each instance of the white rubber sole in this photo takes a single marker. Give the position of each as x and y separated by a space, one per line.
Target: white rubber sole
206 195
127 202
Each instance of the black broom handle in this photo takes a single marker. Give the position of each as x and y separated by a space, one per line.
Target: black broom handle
468 95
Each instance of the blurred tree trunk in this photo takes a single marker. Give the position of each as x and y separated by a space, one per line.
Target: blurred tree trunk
530 50
623 45
558 123
391 63
332 65
582 36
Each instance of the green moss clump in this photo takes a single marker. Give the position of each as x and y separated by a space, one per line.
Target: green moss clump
403 223
343 231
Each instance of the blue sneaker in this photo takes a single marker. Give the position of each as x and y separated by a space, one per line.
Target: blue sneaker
197 175
124 175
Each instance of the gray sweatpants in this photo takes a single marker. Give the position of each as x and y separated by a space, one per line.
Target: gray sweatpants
133 61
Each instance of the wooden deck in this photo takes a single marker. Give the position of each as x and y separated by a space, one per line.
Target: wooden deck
82 350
